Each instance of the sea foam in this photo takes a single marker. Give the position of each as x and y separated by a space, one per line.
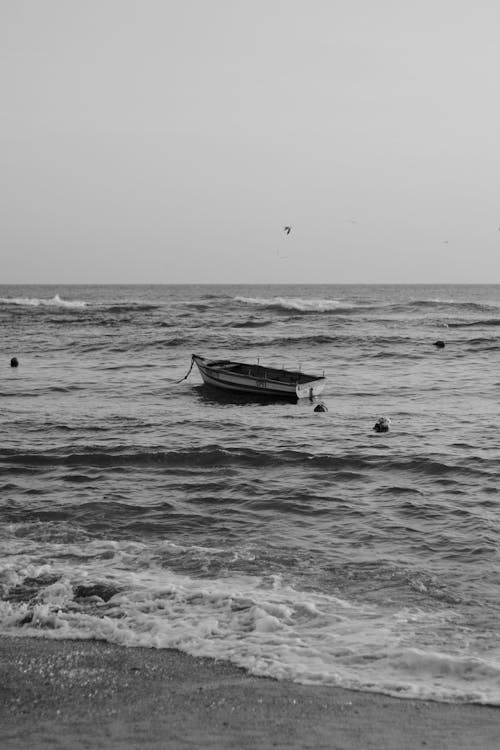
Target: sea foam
54 301
263 624
296 303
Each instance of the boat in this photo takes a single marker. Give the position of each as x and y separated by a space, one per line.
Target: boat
245 377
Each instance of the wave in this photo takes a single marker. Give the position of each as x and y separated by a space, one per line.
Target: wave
312 340
250 323
59 319
215 456
297 304
129 307
55 301
360 342
446 308
483 344
123 456
466 305
198 306
484 323
133 595
320 305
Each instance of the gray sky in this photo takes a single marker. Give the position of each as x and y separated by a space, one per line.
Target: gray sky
171 141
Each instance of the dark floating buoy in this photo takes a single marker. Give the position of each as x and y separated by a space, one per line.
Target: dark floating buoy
439 344
382 424
321 407
14 362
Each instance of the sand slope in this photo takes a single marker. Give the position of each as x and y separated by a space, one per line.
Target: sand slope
80 694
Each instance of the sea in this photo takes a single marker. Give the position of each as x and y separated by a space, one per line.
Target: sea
141 508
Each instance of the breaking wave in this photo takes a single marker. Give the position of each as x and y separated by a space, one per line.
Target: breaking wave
323 305
130 594
54 301
297 304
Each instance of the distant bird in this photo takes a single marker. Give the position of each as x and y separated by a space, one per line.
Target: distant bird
439 344
287 229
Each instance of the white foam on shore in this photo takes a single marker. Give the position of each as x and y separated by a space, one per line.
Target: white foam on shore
259 623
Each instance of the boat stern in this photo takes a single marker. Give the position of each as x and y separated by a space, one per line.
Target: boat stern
311 389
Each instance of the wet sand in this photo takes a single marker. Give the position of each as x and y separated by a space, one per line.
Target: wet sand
85 694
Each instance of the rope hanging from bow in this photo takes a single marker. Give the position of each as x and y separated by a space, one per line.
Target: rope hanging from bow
188 372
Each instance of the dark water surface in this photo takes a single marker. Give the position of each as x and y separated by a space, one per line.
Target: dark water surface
298 545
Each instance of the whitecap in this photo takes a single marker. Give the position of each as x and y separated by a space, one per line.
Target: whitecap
55 301
296 303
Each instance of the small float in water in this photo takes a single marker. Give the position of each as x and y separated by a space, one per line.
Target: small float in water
382 424
244 377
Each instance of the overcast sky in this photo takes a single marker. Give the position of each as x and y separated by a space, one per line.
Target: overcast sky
172 140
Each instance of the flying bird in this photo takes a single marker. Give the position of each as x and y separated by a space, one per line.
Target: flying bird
287 229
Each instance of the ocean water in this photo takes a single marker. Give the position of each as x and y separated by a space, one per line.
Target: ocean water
295 544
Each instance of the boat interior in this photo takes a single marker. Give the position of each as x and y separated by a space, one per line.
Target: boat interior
262 373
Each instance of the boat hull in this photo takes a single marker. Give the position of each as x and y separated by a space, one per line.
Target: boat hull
258 380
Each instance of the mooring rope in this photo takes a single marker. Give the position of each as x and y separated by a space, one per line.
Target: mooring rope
188 372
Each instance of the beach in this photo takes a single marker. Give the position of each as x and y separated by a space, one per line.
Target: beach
89 694
182 567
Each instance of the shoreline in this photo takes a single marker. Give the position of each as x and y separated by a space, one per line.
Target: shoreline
81 694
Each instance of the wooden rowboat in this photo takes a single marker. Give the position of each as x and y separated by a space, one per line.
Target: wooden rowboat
255 378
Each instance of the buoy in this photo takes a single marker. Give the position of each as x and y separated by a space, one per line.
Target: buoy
382 424
321 407
439 344
14 362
